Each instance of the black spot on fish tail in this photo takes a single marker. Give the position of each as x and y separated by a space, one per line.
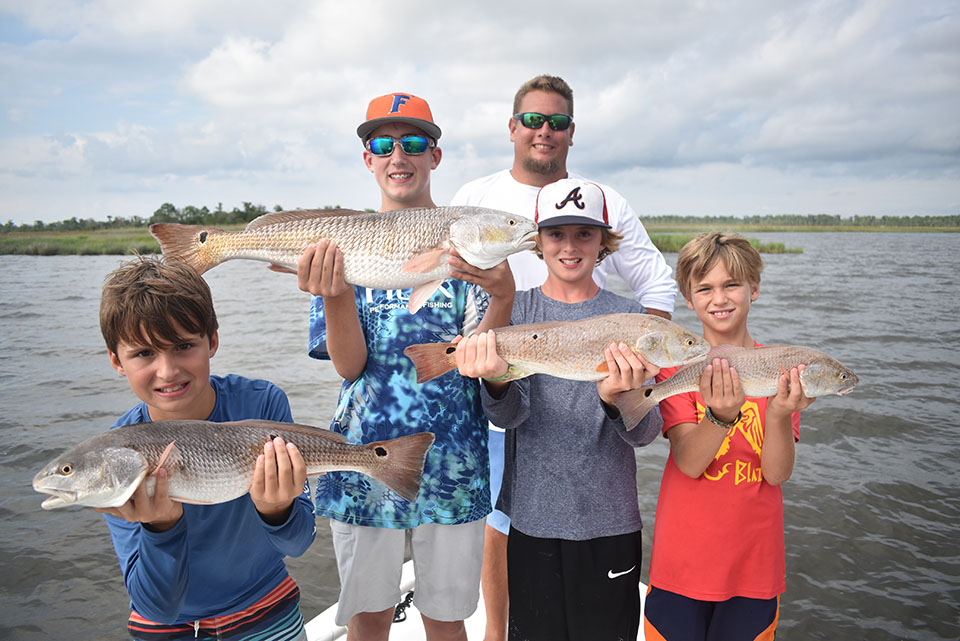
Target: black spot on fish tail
203 237
380 451
647 392
535 337
450 350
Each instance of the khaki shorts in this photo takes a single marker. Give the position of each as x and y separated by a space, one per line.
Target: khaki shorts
446 559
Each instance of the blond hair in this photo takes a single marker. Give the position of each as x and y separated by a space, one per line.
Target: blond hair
146 299
741 259
544 82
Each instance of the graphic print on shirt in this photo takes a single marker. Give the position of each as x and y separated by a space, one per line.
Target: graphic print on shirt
750 429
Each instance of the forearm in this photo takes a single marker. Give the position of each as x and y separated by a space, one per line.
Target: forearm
498 313
695 445
296 534
345 342
779 449
155 570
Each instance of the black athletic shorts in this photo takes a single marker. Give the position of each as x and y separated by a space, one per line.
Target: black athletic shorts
573 590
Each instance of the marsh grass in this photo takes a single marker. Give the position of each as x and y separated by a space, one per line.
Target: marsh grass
668 243
138 240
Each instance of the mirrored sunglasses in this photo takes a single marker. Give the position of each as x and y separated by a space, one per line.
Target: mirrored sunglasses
411 145
533 120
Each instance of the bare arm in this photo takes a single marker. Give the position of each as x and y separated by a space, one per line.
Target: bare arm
320 272
695 445
497 281
779 448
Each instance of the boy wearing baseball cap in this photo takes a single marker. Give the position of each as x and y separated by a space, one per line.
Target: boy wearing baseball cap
364 332
569 481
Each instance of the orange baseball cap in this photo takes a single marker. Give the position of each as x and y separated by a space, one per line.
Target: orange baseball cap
399 107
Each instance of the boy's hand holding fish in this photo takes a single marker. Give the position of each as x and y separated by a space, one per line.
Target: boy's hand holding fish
320 270
721 390
627 371
278 479
477 358
157 513
497 280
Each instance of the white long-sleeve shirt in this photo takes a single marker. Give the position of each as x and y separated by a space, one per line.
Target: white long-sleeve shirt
637 261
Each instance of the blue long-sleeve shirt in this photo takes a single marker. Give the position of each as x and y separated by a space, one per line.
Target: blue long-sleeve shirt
219 558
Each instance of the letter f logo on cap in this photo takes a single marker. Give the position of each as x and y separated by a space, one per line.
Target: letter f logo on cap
398 99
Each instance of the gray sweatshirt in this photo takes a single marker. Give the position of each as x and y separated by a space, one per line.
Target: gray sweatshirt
569 469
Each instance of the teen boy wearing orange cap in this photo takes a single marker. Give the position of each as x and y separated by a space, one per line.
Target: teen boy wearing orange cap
364 333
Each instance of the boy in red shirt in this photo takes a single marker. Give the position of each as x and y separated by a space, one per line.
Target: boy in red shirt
717 567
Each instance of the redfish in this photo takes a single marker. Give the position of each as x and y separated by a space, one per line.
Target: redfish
383 250
572 349
211 462
759 369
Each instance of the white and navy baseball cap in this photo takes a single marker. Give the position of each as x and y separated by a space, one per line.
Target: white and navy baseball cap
572 202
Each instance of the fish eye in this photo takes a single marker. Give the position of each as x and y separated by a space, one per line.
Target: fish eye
511 221
690 342
66 469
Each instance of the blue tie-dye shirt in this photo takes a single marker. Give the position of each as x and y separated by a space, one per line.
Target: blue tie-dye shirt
386 402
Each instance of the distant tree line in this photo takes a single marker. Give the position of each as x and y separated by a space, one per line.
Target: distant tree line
167 213
190 215
813 220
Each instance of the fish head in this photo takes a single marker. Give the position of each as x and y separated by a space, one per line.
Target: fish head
93 477
485 237
827 376
671 346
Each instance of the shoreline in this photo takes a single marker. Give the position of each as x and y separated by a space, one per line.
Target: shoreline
667 238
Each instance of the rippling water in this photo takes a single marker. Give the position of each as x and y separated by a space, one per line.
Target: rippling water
872 511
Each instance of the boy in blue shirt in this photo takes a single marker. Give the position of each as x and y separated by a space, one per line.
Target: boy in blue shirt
200 571
364 332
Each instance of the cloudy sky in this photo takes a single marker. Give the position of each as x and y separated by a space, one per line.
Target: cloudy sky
114 107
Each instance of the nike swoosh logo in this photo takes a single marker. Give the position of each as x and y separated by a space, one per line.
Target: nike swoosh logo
612 575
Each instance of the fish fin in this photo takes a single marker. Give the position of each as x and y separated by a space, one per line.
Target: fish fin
171 455
184 244
426 262
432 359
399 462
602 368
280 217
635 404
180 499
421 294
280 269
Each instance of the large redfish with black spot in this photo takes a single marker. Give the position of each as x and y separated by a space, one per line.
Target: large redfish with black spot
381 250
209 462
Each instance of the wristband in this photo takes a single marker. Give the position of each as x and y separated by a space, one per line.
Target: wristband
716 421
499 379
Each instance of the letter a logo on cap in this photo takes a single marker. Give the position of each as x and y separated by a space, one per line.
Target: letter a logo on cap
573 197
398 99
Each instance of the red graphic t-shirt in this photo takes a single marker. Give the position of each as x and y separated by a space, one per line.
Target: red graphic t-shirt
719 535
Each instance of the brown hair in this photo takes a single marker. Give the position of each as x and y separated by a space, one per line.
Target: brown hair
146 299
609 238
544 82
699 256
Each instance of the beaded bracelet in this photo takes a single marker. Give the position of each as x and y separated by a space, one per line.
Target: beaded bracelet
716 421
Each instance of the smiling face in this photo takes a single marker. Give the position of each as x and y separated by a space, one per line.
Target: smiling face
173 380
570 253
540 155
722 304
404 180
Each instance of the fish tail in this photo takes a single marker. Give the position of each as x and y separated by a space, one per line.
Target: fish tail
432 359
399 462
186 244
635 404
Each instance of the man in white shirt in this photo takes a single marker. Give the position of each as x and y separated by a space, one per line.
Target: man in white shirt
541 130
